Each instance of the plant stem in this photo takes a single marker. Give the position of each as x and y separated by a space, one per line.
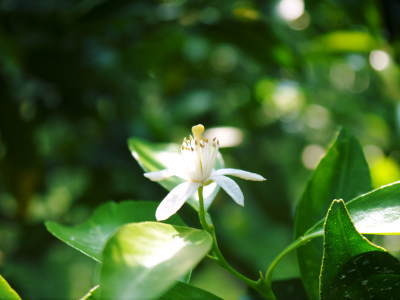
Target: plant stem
202 211
261 286
297 243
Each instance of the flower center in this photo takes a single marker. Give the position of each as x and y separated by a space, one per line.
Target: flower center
199 155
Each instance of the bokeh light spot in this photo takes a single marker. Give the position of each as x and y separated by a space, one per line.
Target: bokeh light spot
311 156
227 136
290 10
379 59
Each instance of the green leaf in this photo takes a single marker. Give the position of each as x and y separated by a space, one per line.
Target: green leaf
143 260
350 41
6 291
154 157
91 236
352 265
376 212
342 173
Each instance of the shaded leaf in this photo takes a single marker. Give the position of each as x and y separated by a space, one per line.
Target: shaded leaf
289 289
371 275
342 173
91 236
143 260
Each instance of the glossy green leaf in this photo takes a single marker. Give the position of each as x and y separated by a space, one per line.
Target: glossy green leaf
376 212
143 260
352 265
342 173
154 157
6 291
91 236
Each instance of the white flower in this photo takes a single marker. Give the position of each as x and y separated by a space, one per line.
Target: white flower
197 169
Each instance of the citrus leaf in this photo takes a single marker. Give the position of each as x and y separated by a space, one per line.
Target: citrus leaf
376 212
352 264
143 260
342 173
91 236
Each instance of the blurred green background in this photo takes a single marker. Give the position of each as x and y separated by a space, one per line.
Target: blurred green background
77 78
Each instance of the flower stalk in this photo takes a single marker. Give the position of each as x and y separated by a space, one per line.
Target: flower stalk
261 285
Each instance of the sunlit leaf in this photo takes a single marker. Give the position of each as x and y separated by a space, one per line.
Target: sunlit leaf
342 173
91 236
154 157
143 260
352 266
6 291
376 212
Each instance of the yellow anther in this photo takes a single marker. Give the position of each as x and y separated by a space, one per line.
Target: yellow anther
198 131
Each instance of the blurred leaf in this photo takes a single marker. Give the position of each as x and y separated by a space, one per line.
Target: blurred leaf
347 41
91 236
342 173
143 260
289 289
384 170
183 291
180 291
217 280
154 157
93 294
351 264
6 291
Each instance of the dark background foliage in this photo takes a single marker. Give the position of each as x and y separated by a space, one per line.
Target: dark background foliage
77 78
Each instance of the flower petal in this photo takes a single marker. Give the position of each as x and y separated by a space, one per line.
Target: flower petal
230 187
239 173
175 199
159 175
